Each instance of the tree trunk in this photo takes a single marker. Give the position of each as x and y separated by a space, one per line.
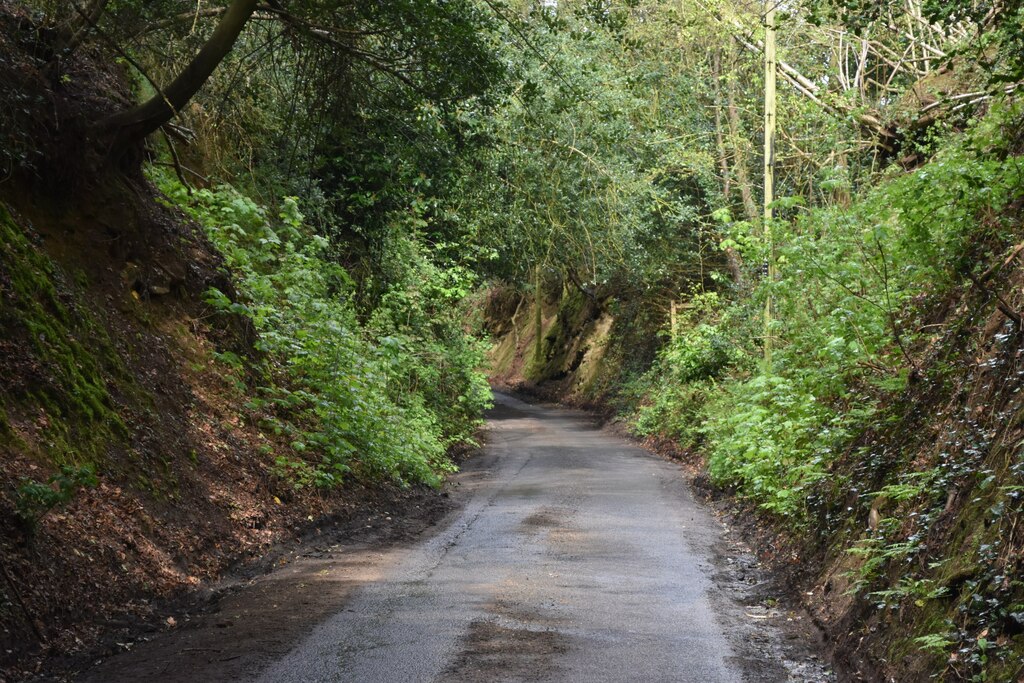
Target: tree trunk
739 157
769 170
79 27
732 258
136 123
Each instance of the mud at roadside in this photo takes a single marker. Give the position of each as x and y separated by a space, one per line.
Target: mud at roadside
777 638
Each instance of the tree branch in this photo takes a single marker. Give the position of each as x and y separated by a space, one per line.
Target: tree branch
1002 304
140 121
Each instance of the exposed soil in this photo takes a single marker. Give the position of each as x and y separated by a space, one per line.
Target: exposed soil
230 630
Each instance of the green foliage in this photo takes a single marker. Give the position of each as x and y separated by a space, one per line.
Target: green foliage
701 351
33 499
383 398
772 438
773 435
698 354
875 553
577 176
936 642
918 591
613 146
846 303
998 48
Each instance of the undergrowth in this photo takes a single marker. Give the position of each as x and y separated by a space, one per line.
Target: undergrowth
380 394
33 498
854 283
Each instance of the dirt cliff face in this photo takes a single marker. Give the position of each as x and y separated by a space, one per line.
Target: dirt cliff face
914 567
110 373
588 343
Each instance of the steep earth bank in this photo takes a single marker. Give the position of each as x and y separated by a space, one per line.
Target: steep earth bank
133 471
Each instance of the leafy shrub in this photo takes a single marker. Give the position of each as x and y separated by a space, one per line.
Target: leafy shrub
770 437
686 372
379 398
847 307
851 280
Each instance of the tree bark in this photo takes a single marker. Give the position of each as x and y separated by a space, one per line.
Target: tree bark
739 156
138 122
81 25
732 258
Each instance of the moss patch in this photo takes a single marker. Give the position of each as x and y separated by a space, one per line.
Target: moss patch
60 359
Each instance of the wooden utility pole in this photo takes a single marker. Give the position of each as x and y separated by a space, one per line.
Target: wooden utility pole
769 165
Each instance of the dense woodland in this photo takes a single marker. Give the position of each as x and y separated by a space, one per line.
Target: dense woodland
313 221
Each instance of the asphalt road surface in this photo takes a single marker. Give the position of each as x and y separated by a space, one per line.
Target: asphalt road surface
565 554
584 559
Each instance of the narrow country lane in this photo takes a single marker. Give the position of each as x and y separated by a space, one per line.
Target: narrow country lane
574 556
584 560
